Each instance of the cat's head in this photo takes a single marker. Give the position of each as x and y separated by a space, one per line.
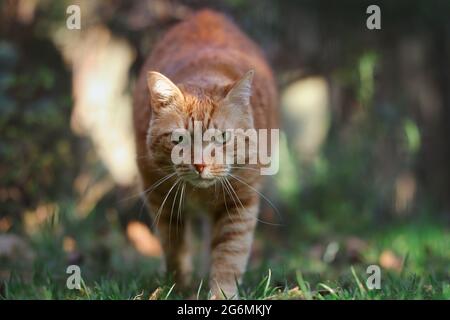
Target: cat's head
186 107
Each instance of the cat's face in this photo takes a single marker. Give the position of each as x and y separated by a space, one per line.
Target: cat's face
190 109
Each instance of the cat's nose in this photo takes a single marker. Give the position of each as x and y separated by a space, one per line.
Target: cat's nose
199 167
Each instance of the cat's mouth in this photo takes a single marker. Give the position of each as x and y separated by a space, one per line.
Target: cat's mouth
200 182
204 178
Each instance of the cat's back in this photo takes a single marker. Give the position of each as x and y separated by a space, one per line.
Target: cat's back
205 35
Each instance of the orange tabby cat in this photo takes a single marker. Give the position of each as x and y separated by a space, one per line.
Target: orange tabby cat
204 69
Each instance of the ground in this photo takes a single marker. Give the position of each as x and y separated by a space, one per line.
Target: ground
414 260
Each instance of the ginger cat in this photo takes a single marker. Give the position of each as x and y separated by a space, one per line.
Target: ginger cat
204 69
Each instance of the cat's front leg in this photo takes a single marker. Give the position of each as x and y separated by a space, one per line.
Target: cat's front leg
231 243
175 236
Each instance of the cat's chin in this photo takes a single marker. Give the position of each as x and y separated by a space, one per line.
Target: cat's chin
202 183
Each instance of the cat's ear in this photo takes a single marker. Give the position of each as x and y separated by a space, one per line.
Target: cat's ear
163 92
241 92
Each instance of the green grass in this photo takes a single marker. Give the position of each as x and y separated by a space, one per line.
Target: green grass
142 286
112 269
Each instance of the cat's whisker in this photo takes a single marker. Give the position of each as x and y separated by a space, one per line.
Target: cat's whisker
158 183
225 201
237 197
262 196
180 203
215 189
154 186
159 212
234 192
149 189
171 210
233 196
245 168
245 209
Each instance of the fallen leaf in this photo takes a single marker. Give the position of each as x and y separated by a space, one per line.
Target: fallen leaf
389 260
143 240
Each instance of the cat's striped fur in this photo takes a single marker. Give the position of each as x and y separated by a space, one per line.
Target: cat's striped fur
204 57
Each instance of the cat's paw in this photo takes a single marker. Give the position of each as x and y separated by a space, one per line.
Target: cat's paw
223 292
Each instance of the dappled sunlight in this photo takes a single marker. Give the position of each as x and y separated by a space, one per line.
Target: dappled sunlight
305 104
35 220
405 191
102 108
92 194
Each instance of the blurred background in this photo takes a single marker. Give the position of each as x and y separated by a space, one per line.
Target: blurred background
365 152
